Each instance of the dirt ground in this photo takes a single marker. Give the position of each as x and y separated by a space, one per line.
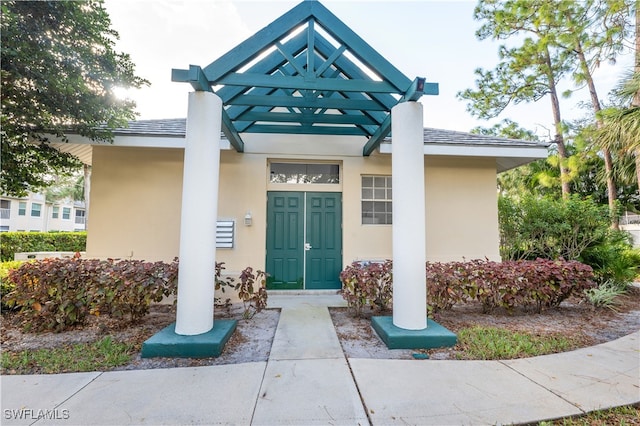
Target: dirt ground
252 339
589 326
250 342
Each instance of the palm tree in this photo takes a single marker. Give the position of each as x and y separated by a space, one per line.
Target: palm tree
621 129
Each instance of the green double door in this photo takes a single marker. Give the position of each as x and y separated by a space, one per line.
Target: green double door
304 240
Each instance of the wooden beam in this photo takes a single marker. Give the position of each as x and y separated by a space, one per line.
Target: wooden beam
301 102
349 69
289 57
358 47
266 66
194 75
375 140
246 51
311 72
306 130
299 82
286 117
414 92
330 60
231 133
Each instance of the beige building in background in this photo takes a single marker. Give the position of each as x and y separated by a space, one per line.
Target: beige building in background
34 213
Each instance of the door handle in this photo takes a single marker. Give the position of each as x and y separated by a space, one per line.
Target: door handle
307 246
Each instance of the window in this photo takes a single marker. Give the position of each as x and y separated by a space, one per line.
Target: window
36 209
56 212
22 208
304 173
376 200
66 213
80 216
5 209
4 228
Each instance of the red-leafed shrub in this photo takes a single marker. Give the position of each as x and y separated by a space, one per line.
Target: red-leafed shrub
126 288
537 284
56 294
252 291
367 284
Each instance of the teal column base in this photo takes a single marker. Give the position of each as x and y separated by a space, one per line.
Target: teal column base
434 336
166 343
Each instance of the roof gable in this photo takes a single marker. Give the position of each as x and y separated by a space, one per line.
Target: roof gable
307 73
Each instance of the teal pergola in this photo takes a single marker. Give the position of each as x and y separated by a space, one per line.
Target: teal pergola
306 73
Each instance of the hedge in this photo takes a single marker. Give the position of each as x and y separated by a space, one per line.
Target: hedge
59 294
18 242
529 284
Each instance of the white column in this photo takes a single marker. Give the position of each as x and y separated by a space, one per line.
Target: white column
409 247
199 215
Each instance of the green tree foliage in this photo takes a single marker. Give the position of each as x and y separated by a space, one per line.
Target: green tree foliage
66 187
588 32
526 73
620 129
571 229
526 179
556 38
59 70
541 178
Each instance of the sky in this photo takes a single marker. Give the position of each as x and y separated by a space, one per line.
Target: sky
431 39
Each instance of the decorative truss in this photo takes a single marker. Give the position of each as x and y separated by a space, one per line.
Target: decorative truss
306 73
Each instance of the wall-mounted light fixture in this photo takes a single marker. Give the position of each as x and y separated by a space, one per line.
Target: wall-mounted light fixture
248 220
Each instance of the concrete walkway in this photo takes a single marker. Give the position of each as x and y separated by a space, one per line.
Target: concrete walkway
308 381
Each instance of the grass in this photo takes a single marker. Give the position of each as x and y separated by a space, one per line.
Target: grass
621 416
97 356
489 343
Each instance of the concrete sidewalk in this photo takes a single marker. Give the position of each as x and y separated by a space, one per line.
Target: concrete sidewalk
308 381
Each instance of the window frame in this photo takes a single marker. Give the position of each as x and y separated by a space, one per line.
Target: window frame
305 165
39 210
379 194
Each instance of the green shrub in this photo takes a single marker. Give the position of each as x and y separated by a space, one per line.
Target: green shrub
614 259
532 228
6 285
18 242
572 229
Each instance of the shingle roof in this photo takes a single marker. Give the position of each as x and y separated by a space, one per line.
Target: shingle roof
441 136
177 128
165 127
